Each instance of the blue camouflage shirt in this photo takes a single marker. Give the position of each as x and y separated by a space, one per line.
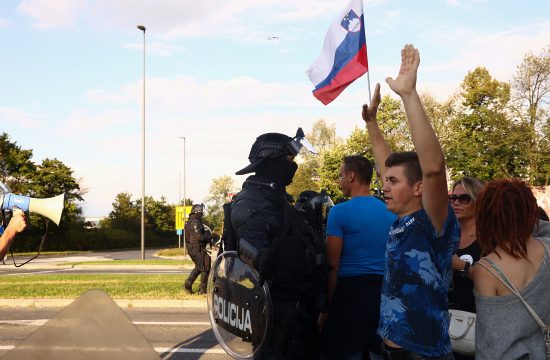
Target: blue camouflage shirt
414 306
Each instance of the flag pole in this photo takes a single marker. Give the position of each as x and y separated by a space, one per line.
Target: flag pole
368 82
368 69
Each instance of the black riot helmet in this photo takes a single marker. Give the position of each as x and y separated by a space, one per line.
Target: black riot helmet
197 209
273 146
314 208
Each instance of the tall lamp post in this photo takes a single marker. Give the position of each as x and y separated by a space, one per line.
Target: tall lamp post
142 28
184 194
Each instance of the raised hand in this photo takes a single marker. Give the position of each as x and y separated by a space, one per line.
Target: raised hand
370 110
405 84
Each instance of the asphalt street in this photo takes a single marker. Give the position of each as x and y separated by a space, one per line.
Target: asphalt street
174 333
176 329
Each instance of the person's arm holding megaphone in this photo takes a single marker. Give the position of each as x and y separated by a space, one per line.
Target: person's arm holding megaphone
17 224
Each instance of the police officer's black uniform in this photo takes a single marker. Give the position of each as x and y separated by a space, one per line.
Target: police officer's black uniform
275 240
196 239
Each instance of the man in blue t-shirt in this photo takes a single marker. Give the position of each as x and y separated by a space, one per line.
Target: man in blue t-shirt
414 318
357 231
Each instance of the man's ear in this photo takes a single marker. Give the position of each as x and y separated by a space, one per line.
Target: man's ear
417 188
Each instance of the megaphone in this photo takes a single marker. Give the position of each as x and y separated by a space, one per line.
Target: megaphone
52 208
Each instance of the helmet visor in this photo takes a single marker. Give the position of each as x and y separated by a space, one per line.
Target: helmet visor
300 142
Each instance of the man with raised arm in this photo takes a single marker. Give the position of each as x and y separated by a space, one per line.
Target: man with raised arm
414 316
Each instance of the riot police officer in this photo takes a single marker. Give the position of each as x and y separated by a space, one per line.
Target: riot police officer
196 239
277 242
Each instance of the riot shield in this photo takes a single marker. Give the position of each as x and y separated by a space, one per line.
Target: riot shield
239 307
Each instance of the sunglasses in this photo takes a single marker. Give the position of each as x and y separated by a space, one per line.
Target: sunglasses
464 199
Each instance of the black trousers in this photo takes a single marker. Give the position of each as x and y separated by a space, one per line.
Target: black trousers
295 334
389 353
353 317
202 262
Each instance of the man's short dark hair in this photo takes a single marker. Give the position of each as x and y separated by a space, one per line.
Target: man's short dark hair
361 166
409 161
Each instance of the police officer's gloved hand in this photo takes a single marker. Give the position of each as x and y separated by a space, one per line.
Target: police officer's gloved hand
265 264
248 253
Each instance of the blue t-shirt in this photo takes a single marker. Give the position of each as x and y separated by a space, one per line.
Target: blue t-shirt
363 224
414 307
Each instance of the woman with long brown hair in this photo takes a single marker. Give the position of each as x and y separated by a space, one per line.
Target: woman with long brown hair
506 213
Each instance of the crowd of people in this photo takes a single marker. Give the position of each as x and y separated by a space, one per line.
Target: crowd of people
396 267
393 268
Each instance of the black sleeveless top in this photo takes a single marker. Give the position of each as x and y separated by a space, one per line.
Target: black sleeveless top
461 295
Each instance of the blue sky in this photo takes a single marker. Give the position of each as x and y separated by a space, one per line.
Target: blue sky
71 77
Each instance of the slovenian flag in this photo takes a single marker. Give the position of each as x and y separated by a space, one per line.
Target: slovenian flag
344 55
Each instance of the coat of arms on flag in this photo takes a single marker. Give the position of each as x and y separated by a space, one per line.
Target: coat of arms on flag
351 22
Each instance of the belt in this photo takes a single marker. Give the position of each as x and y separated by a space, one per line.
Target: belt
389 353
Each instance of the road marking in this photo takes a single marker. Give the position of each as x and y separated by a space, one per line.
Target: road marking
157 349
185 350
40 322
173 323
40 272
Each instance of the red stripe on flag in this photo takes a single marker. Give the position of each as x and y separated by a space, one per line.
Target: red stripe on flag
351 71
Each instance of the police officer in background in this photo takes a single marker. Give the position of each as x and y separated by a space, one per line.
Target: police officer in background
276 241
196 239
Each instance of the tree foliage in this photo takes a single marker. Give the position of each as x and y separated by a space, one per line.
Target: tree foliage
16 166
50 178
531 98
485 142
218 195
308 176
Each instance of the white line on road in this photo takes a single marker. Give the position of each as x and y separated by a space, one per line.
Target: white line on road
40 322
39 272
157 349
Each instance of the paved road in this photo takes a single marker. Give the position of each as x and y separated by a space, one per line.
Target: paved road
55 264
174 333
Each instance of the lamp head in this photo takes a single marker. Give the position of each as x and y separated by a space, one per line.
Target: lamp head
141 27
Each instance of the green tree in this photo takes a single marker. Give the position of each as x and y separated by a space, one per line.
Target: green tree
52 178
160 215
126 214
328 174
531 99
486 143
393 124
16 167
323 138
218 195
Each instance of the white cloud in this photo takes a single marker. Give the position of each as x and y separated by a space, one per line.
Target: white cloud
187 94
220 120
4 22
47 14
499 52
19 117
244 20
156 48
82 122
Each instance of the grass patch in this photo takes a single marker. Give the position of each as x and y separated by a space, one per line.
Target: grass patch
171 252
127 286
134 262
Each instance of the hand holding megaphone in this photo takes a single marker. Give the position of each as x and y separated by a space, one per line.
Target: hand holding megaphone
52 208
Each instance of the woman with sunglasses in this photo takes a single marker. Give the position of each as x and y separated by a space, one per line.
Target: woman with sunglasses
463 199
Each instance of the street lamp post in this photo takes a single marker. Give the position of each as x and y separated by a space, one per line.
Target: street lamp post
142 28
184 195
